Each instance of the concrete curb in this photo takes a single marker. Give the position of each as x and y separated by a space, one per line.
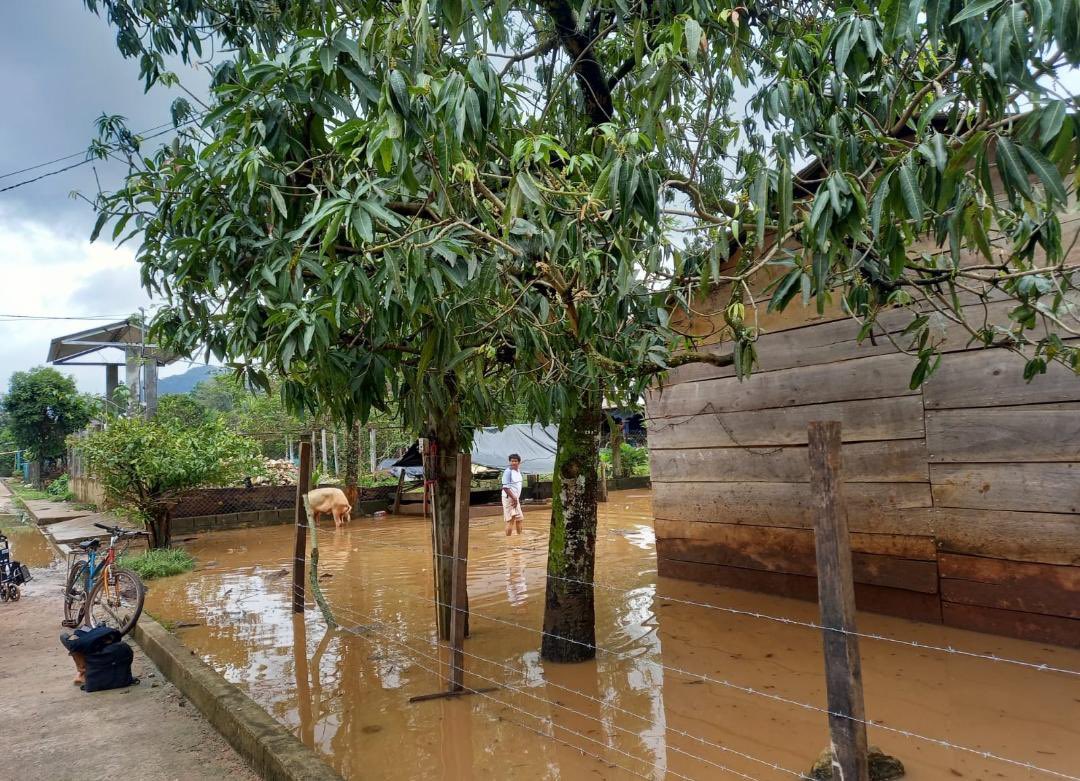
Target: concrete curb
269 747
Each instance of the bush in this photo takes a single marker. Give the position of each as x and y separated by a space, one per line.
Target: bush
159 563
60 488
635 460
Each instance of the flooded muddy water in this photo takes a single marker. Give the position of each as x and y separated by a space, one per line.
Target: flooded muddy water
28 544
641 709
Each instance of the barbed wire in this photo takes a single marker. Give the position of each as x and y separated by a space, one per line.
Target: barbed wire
667 728
1037 666
704 677
538 717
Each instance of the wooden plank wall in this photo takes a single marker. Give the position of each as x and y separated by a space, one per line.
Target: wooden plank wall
963 497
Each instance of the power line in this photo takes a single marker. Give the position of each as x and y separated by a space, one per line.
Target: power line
43 176
145 135
75 154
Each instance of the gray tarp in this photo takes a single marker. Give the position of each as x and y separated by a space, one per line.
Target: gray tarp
535 445
492 446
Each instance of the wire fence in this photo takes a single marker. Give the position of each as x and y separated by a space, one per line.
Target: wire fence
508 675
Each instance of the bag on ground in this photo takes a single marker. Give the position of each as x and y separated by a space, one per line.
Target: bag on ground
109 668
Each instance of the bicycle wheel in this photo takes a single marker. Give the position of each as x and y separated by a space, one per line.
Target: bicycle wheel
75 594
117 600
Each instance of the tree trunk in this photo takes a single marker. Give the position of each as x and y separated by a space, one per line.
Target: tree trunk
569 625
447 444
159 526
352 462
616 447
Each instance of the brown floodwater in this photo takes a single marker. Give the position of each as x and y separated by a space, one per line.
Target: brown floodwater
641 709
28 544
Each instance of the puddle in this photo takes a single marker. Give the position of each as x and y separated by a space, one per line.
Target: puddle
346 693
28 544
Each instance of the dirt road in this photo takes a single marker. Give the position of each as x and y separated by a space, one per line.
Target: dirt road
55 732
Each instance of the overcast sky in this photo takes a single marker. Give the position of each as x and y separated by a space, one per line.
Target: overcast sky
59 70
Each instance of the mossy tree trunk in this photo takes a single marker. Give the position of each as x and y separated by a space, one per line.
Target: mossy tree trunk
569 613
159 525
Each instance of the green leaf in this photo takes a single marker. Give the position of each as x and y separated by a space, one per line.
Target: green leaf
975 9
399 92
692 31
326 59
528 188
279 202
1047 173
910 193
1011 168
761 204
881 192
1051 120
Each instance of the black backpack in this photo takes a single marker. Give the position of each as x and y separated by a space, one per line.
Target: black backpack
109 668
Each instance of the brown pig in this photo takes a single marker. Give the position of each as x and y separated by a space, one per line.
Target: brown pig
329 501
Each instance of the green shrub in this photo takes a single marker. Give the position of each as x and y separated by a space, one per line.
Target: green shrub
159 563
635 460
60 488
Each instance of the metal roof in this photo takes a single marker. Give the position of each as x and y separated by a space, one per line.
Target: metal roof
122 335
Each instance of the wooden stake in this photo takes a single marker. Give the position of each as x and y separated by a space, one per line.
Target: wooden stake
836 595
458 590
374 455
325 462
303 483
337 466
458 598
397 494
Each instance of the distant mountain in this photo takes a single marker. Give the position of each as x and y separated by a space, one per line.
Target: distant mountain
186 382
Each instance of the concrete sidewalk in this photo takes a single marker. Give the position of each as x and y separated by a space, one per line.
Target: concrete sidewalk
55 732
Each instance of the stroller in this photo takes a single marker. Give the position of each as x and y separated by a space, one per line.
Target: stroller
12 573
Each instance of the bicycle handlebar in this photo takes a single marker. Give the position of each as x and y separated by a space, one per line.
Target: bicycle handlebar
120 532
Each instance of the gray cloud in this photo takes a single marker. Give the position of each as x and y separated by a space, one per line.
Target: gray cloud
60 70
111 290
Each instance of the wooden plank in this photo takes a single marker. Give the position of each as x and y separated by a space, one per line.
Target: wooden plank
459 600
881 508
993 378
902 546
300 547
898 461
1028 433
899 417
1011 585
1013 623
828 341
773 553
1041 537
876 599
870 378
1052 488
836 602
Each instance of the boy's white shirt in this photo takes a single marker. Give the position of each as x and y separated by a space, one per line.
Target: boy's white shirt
512 480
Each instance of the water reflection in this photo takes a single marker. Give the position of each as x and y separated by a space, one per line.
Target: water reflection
346 692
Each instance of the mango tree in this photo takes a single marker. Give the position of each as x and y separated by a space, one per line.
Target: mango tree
404 200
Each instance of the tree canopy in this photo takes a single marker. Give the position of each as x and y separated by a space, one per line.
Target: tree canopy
438 202
140 463
43 407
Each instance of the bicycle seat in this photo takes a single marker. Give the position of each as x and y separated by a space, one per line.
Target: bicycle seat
90 544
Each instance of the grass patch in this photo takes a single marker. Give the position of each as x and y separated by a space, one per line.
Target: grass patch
159 563
24 491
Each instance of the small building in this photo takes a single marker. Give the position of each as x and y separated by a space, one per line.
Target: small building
963 495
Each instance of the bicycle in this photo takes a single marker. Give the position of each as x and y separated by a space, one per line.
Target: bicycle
99 593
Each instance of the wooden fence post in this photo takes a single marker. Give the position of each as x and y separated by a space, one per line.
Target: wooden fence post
325 461
458 591
836 595
302 484
372 445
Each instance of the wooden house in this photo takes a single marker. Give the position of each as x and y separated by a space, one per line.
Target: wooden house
963 496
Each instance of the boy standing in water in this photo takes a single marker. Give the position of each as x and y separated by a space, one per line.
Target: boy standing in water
511 495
